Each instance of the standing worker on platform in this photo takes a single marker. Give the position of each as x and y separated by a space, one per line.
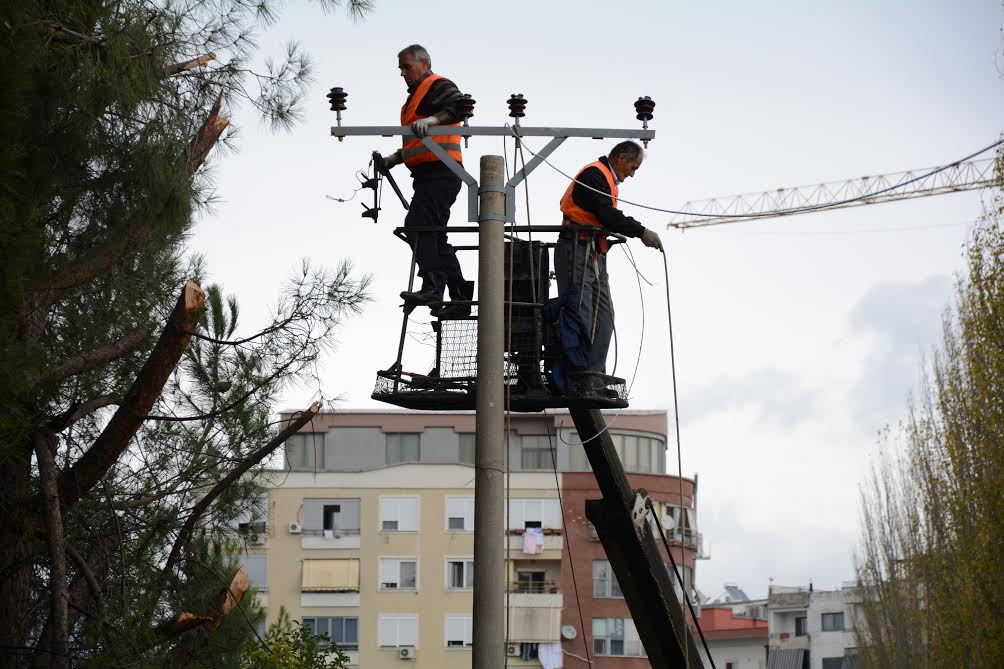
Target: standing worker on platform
580 258
432 100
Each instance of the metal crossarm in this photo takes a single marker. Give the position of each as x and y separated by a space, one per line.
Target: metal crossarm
557 135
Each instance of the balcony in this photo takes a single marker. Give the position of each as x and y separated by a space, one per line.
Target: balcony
535 594
554 542
330 539
788 641
534 624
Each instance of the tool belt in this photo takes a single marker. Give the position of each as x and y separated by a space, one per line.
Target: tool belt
595 233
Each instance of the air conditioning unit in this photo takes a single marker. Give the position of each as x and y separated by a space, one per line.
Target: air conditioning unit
406 653
295 528
512 650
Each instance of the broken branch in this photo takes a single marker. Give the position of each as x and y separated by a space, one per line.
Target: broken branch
178 68
76 481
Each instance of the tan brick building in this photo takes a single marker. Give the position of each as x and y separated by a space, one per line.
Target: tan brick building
369 537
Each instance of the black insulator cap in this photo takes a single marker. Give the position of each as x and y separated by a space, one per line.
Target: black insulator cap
337 98
645 107
517 105
465 106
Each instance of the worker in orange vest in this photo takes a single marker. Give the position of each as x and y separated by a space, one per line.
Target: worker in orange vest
432 100
580 257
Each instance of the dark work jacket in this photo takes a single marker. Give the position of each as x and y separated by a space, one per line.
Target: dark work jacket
610 217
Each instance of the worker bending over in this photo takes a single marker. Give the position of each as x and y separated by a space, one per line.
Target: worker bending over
580 258
432 100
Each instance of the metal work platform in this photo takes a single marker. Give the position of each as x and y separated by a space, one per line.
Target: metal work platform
448 347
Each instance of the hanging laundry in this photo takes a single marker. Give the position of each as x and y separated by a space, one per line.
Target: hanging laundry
533 540
549 655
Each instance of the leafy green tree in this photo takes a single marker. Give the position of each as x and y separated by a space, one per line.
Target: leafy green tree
134 414
931 561
288 645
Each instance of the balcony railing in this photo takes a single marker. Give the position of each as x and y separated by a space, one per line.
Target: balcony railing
332 533
534 587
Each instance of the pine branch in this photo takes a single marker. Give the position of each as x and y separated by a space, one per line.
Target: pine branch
89 406
59 614
87 361
184 535
76 481
79 271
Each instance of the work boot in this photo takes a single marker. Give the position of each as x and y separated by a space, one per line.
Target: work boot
460 291
433 285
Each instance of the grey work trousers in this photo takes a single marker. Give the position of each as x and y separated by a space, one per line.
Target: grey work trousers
575 261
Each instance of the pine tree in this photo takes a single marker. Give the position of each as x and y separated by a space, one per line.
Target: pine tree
132 419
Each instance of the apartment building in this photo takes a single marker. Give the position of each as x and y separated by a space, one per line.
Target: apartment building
369 538
735 628
812 629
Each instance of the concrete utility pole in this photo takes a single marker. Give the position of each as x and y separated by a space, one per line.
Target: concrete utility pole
489 449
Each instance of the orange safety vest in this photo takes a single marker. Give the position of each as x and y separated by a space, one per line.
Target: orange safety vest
413 151
573 213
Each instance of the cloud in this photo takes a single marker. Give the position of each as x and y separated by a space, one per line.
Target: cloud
904 320
771 395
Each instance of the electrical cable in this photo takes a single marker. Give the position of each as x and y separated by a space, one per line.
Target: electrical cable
679 463
781 212
683 589
355 191
552 446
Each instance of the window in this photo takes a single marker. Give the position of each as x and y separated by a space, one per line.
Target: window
399 514
330 517
537 452
331 575
638 453
344 632
402 447
604 582
458 631
800 626
616 636
459 574
525 513
685 574
305 451
256 567
683 522
730 665
393 631
833 622
459 514
466 454
398 574
833 662
532 582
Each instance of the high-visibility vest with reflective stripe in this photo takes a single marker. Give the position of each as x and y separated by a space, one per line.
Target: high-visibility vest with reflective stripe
412 150
573 213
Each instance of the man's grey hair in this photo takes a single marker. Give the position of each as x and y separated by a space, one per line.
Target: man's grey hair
627 148
418 52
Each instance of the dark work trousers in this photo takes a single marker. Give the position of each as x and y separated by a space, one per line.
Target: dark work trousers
430 207
576 261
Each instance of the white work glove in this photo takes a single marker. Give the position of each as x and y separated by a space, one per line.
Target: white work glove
650 239
421 126
391 159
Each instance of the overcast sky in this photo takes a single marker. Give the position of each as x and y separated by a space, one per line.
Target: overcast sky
797 339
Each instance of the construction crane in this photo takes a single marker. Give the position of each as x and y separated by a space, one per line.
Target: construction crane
953 178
